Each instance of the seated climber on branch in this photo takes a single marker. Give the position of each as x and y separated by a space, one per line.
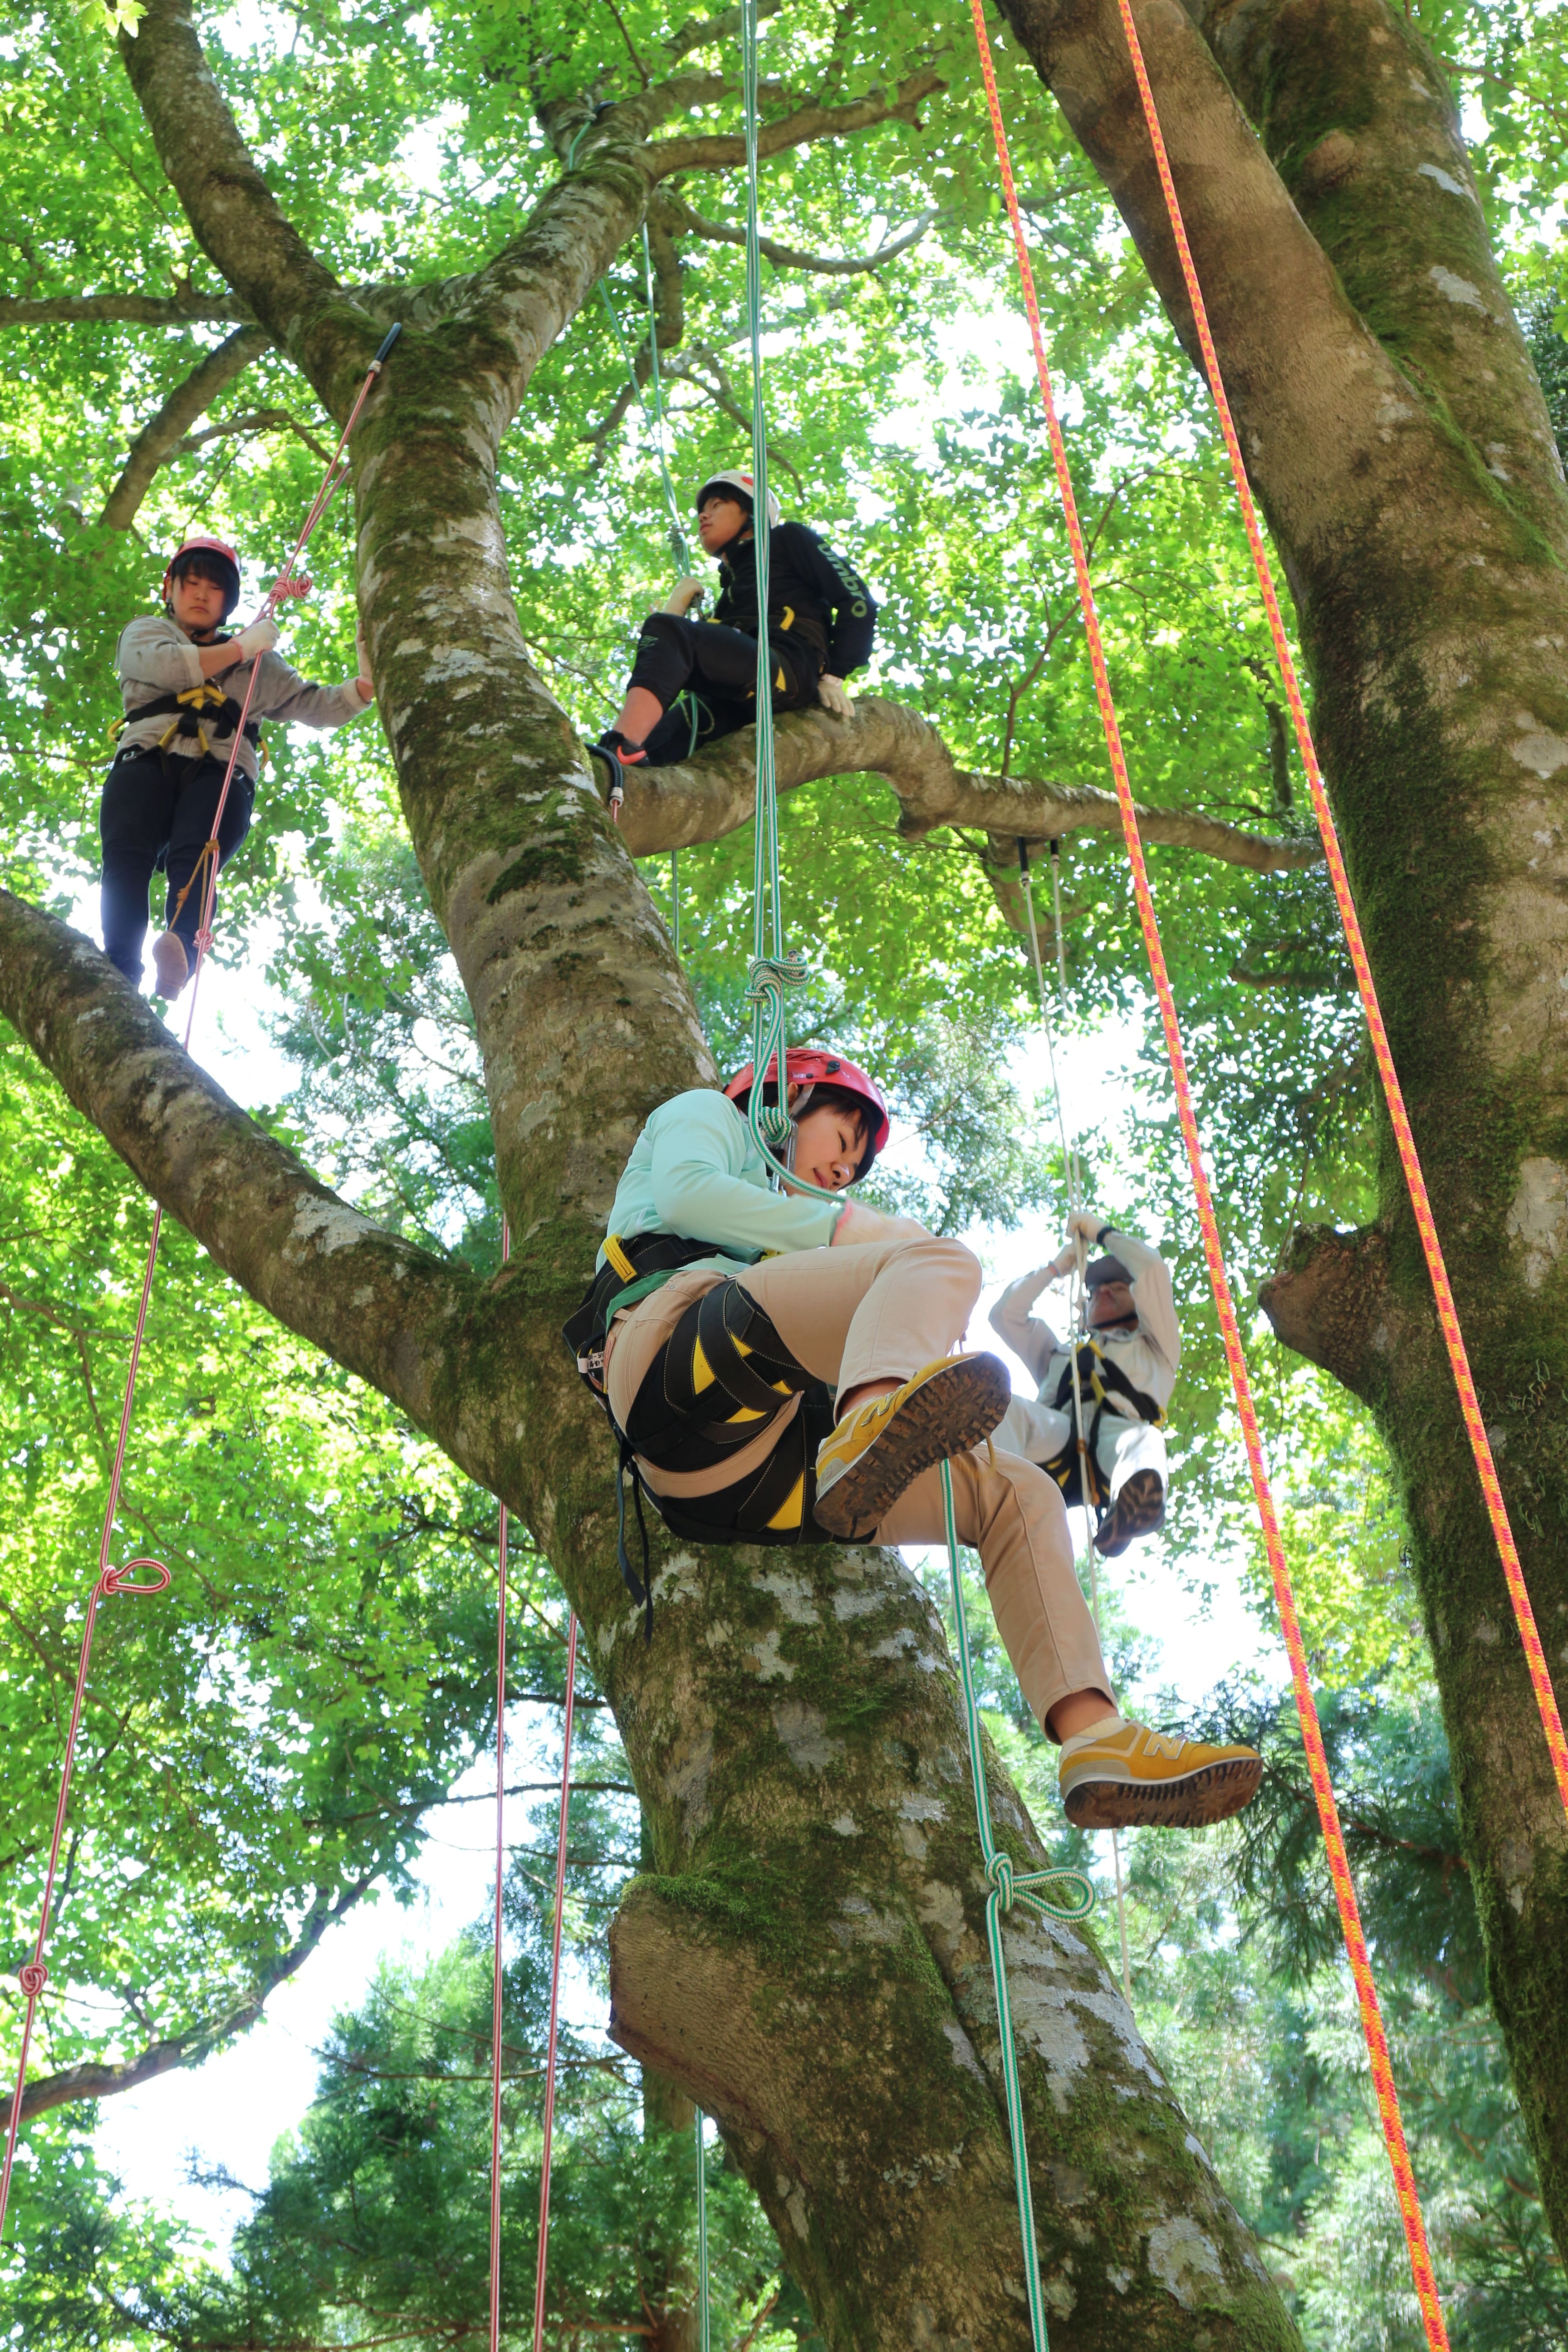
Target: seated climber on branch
694 682
184 683
777 1368
1127 1365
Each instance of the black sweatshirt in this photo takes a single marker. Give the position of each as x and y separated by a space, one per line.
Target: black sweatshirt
830 603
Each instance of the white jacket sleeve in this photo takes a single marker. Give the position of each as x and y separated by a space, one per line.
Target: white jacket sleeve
1151 1292
1025 1334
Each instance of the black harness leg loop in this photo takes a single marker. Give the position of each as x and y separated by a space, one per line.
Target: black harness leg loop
641 1591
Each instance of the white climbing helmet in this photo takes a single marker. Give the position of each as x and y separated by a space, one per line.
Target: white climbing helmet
746 485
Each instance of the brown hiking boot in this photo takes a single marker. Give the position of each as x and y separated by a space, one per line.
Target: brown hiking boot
879 1449
1138 1510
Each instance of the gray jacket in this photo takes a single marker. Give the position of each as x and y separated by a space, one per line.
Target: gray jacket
156 659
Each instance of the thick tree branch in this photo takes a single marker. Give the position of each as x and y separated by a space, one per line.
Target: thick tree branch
397 1315
785 257
716 153
667 808
101 2079
1330 1302
159 439
127 309
236 219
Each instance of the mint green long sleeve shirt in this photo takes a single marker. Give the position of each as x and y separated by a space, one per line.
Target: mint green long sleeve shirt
695 1171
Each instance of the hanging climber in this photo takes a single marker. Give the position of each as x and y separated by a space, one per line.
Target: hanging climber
183 682
1127 1365
777 1369
695 681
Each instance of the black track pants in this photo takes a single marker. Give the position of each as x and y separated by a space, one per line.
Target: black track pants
158 808
701 669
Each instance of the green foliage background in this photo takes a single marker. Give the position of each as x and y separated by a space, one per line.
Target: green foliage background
263 1746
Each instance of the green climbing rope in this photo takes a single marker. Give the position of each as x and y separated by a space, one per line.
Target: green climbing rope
704 2338
1008 1887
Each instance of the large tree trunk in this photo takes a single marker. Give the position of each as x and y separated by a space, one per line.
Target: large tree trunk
1396 431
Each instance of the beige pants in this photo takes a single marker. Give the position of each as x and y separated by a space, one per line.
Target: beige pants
882 1312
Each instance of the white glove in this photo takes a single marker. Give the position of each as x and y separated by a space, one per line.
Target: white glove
684 595
834 696
259 638
1085 1223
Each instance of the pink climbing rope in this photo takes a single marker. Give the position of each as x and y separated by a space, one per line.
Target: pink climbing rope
1399 1118
33 1976
501 1865
541 2270
1373 2028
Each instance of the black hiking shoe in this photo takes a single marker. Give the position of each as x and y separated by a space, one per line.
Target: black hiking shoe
1138 1510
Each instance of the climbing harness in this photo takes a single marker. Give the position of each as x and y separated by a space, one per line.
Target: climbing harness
1399 1116
34 1976
539 2273
186 715
719 1379
1328 1814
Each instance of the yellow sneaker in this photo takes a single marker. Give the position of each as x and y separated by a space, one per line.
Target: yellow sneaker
1118 1775
877 1450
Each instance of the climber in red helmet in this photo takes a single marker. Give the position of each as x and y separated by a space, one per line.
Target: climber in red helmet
182 683
780 1369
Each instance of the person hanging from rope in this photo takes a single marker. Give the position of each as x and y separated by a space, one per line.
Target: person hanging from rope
778 1369
182 683
694 682
1127 1365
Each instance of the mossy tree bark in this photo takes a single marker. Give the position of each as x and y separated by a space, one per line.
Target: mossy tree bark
1396 434
807 1955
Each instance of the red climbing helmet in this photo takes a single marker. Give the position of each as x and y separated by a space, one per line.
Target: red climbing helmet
226 560
813 1065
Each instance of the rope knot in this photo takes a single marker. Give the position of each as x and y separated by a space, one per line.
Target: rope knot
297 583
121 1579
33 1977
999 1871
770 975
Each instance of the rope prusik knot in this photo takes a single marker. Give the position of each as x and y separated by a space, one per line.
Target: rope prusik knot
299 583
999 1871
33 1977
769 976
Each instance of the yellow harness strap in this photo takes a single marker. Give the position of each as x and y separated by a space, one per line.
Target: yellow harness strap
198 697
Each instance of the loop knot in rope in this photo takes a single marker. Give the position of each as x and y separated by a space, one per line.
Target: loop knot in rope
32 1976
118 1579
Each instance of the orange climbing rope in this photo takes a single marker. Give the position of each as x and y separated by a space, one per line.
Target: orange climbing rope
1312 1733
1399 1118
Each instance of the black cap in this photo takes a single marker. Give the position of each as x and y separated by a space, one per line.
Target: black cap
1104 1270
